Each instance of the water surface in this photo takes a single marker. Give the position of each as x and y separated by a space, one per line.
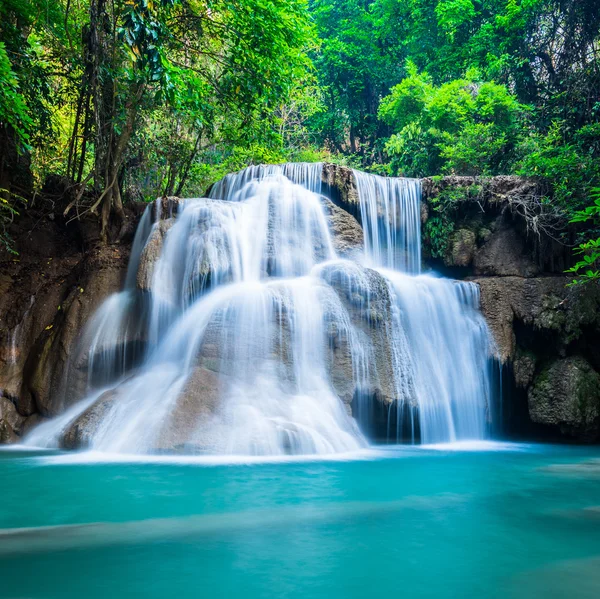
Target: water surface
468 521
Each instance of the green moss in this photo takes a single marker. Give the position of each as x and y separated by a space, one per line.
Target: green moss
441 224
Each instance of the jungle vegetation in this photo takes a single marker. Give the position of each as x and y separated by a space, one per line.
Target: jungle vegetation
128 99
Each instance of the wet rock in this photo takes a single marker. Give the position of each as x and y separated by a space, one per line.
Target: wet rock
80 433
503 253
11 422
151 253
185 425
190 422
524 369
461 248
53 381
346 232
365 294
7 433
559 314
32 422
169 207
339 181
566 396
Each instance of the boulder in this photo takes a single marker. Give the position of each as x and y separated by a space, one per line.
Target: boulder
566 396
461 248
190 422
347 233
340 185
184 425
151 253
503 253
80 432
365 295
11 422
524 369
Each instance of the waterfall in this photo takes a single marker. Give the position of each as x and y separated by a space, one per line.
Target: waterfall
241 331
441 345
390 210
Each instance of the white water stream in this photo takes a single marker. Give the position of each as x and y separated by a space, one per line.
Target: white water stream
237 344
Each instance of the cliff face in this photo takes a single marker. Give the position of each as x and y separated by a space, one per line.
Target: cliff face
485 230
548 334
494 231
48 291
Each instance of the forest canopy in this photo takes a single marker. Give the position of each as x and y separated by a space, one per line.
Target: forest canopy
129 99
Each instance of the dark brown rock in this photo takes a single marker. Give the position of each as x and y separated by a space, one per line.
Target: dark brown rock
503 253
566 396
339 181
11 422
52 379
545 304
524 369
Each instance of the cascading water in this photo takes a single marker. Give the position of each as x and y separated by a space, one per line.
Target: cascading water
441 345
240 331
390 210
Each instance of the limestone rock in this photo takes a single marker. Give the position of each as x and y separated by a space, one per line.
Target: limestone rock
32 422
366 296
346 232
188 422
566 395
7 434
524 369
151 253
191 420
55 382
504 253
461 248
544 304
81 431
11 422
342 186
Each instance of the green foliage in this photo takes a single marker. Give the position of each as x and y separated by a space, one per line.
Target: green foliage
9 204
464 126
439 227
356 64
134 93
24 78
588 268
567 160
166 96
437 232
452 15
13 109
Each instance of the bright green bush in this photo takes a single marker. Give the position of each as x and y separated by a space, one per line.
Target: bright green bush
588 268
465 126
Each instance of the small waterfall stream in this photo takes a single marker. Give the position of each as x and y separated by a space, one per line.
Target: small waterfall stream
241 331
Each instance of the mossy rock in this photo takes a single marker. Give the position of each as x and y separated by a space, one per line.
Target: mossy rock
566 395
461 248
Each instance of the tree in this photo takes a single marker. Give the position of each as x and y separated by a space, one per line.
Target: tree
194 58
465 126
